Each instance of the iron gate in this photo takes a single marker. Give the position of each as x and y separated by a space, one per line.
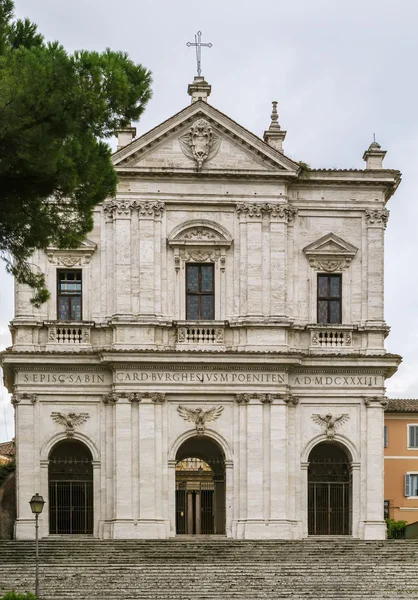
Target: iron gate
70 477
200 507
70 507
329 491
329 509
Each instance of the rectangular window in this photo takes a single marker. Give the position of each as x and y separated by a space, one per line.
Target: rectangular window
200 292
69 295
413 436
329 298
386 509
385 432
411 484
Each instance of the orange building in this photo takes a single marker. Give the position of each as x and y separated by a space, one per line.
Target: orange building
401 460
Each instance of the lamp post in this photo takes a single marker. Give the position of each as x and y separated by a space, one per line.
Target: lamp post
37 505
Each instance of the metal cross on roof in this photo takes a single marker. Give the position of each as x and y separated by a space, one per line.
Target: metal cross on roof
198 45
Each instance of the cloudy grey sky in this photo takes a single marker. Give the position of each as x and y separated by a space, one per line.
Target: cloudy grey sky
339 70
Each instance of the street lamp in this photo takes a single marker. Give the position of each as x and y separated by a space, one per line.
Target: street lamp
37 505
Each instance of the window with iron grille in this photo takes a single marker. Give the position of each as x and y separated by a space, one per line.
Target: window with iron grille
69 293
412 436
200 298
329 299
385 436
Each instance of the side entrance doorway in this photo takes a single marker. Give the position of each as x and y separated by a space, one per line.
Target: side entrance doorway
329 491
200 488
70 476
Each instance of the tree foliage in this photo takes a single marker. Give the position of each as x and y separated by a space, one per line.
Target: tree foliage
56 109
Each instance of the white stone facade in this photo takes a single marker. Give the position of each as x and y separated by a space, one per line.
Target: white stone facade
201 189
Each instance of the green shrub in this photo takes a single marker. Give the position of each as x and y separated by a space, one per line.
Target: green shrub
15 596
396 529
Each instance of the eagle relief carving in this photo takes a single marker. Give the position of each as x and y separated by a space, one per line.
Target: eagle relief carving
69 420
330 422
200 417
200 143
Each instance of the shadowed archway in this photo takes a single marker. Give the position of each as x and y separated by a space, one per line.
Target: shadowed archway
70 477
200 487
329 490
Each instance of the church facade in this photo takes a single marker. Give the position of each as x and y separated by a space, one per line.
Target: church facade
211 359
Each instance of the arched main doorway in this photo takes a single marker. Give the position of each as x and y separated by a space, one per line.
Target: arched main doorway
329 490
70 475
200 488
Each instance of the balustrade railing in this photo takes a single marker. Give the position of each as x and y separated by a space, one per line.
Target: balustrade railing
71 334
331 338
200 334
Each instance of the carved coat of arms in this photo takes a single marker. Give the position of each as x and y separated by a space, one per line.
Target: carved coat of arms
200 143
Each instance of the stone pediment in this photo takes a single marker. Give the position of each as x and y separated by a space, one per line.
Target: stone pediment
199 232
202 139
330 253
72 258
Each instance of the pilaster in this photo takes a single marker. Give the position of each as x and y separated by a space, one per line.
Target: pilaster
27 466
374 525
376 221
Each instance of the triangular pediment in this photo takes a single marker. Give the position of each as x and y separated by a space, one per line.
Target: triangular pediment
202 139
330 253
72 257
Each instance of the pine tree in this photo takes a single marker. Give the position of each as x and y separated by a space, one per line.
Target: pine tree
56 110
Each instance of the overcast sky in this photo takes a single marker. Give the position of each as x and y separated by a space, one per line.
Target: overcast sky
339 70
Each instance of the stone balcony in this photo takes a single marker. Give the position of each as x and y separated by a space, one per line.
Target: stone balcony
200 334
68 335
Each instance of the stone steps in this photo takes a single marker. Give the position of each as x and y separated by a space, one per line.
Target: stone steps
86 569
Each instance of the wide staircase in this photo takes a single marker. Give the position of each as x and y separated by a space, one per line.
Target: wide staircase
215 569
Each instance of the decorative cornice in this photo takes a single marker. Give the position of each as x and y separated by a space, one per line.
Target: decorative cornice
121 207
377 217
371 401
330 423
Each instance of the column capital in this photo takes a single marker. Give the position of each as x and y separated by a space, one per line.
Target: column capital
242 398
111 398
122 208
250 210
18 398
377 217
375 401
279 211
289 399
